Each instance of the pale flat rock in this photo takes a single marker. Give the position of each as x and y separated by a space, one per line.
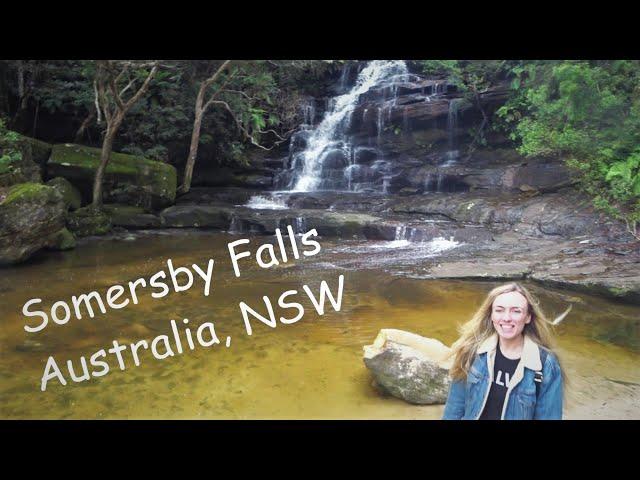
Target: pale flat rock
409 366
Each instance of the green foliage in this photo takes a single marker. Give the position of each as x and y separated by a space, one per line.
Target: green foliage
589 113
10 153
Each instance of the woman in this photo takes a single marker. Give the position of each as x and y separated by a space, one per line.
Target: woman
503 366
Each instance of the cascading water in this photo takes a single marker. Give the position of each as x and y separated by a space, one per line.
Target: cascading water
452 125
329 135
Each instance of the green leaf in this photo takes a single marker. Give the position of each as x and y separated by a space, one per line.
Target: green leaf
619 169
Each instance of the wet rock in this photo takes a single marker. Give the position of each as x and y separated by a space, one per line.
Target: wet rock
409 366
38 151
30 214
88 221
128 179
216 195
196 216
131 217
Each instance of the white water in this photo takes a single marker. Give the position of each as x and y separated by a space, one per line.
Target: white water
329 131
260 202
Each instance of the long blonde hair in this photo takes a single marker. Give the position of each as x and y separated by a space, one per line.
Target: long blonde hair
480 328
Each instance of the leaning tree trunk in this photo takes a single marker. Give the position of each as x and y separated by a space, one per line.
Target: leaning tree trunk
105 154
193 152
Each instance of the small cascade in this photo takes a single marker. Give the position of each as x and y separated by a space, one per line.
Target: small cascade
344 78
309 112
452 125
401 232
236 225
437 182
300 225
406 127
261 202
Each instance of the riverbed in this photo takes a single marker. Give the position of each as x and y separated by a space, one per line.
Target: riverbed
311 369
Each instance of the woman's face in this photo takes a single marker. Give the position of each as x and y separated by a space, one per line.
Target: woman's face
509 314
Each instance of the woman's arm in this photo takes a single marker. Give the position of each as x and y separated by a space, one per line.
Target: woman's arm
454 409
549 403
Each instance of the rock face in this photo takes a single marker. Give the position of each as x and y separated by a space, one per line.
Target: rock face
128 179
31 215
409 366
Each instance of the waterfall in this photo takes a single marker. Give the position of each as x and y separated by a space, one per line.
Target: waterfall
452 125
329 134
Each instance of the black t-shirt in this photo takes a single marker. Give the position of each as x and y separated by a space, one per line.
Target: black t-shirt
503 370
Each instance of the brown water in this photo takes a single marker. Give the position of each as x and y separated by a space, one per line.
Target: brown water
312 369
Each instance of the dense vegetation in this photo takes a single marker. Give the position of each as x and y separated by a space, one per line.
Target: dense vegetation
585 112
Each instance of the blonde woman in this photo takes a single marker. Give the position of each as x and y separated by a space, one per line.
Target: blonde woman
503 365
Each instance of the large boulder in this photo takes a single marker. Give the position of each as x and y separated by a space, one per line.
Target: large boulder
128 179
31 214
410 367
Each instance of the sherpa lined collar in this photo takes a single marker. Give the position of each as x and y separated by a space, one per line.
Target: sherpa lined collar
530 351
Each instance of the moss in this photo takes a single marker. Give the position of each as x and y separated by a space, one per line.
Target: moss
39 151
62 240
150 178
6 164
119 209
27 192
89 221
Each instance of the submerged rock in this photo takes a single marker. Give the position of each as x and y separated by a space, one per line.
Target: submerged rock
409 366
30 214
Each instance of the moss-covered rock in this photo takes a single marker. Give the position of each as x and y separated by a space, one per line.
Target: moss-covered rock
131 217
37 150
30 213
62 240
128 179
89 221
70 194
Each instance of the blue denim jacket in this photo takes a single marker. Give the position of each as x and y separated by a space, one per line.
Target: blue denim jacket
467 399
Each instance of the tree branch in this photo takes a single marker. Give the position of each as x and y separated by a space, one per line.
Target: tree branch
143 88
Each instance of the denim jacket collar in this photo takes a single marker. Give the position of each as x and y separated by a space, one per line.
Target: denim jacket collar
530 351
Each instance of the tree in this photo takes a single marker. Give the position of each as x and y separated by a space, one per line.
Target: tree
200 109
109 101
244 90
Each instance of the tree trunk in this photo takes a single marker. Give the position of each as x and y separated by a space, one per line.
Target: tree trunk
105 155
193 152
83 127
